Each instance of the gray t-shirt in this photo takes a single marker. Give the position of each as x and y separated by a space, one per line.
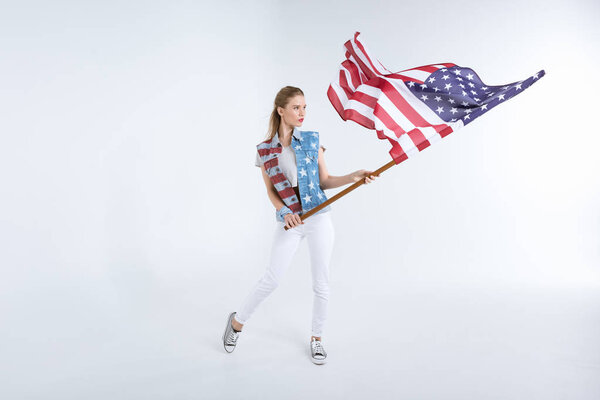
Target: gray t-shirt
287 163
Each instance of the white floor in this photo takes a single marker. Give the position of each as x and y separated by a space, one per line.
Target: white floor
409 343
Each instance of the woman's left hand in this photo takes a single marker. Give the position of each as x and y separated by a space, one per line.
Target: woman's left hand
363 174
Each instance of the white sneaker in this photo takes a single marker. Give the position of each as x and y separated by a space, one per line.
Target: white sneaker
317 352
230 336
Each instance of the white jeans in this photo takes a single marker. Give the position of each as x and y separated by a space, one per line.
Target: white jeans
318 230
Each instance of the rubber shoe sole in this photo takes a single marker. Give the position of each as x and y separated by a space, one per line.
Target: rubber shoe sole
318 361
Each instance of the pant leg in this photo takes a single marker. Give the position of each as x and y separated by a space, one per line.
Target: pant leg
320 236
283 247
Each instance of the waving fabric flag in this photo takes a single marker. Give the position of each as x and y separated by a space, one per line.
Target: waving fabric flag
416 107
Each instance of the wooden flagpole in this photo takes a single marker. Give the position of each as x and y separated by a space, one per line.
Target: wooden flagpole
344 192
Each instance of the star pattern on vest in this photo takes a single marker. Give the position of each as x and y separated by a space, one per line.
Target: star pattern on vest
314 171
307 198
302 172
311 185
319 195
307 160
298 147
313 145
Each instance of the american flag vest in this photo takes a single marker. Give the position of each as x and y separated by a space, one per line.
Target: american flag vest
306 147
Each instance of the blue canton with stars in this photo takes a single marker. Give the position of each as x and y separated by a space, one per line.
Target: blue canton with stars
457 93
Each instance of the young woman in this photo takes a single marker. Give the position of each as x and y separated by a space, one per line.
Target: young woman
293 169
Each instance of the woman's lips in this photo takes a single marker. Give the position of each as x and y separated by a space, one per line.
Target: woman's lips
301 119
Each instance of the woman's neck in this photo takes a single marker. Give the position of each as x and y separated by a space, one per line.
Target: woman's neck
285 135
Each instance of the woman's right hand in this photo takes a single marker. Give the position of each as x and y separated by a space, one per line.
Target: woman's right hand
292 220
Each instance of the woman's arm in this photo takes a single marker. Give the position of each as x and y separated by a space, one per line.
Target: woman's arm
329 181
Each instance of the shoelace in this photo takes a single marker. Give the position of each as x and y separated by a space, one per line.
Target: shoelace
317 347
232 337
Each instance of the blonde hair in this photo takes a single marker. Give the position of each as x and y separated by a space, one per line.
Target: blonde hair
281 100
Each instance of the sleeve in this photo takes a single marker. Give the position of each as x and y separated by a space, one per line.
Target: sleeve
280 214
257 161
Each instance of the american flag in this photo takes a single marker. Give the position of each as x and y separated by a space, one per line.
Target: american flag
415 107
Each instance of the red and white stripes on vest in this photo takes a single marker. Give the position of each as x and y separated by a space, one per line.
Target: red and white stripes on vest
269 152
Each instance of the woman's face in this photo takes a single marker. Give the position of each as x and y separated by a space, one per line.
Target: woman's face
294 112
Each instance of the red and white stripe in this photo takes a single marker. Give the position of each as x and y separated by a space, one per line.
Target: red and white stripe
369 94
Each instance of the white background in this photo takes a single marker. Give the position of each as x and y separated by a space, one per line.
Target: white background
133 219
